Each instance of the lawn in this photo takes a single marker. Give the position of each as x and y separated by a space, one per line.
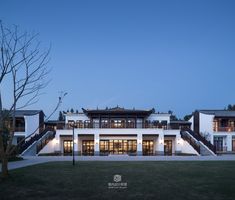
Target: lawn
145 180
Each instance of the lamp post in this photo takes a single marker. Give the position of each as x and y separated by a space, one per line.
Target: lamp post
73 144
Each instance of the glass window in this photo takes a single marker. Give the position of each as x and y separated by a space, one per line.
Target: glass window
88 147
148 147
233 144
104 147
218 142
168 147
68 147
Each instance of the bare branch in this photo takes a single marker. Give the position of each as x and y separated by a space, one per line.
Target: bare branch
26 65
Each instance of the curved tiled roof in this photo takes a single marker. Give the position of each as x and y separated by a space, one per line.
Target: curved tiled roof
117 110
219 113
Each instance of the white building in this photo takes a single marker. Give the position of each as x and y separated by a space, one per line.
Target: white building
217 126
119 131
27 122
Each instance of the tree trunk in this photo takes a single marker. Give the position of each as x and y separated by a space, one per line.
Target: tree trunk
4 167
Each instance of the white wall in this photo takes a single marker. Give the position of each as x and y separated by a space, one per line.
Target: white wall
31 124
187 148
192 122
49 148
206 125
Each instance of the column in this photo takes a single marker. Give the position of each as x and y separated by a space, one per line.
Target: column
97 144
229 142
139 144
178 144
160 144
57 143
75 143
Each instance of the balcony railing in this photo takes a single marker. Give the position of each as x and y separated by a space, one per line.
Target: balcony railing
117 126
224 129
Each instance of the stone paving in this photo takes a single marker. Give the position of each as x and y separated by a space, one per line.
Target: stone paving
33 160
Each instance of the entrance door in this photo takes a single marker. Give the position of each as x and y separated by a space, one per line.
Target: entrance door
147 147
218 142
118 147
88 147
68 147
233 144
168 147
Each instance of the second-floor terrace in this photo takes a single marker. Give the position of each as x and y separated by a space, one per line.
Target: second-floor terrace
125 124
116 124
118 118
224 124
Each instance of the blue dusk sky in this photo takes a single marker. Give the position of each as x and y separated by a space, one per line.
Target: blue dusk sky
170 55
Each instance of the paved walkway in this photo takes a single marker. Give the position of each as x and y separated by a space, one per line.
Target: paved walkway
33 160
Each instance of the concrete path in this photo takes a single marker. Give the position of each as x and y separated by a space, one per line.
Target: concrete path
33 160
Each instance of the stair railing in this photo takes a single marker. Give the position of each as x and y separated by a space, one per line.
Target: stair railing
44 141
199 137
32 139
191 141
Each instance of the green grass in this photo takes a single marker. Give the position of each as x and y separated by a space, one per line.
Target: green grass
146 180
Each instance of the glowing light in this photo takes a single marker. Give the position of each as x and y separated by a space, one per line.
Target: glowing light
55 141
180 141
161 141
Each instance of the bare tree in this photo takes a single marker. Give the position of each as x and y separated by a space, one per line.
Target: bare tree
24 70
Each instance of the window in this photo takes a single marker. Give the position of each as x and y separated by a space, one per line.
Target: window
79 124
87 124
132 146
233 144
118 123
20 125
88 147
118 147
168 147
218 142
130 123
68 147
148 147
104 147
104 123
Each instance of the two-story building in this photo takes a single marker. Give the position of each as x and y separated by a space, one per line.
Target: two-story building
118 131
217 126
28 122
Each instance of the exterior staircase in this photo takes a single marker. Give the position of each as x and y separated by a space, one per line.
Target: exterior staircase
32 146
198 142
191 140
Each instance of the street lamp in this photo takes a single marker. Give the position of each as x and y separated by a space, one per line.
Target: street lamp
73 125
